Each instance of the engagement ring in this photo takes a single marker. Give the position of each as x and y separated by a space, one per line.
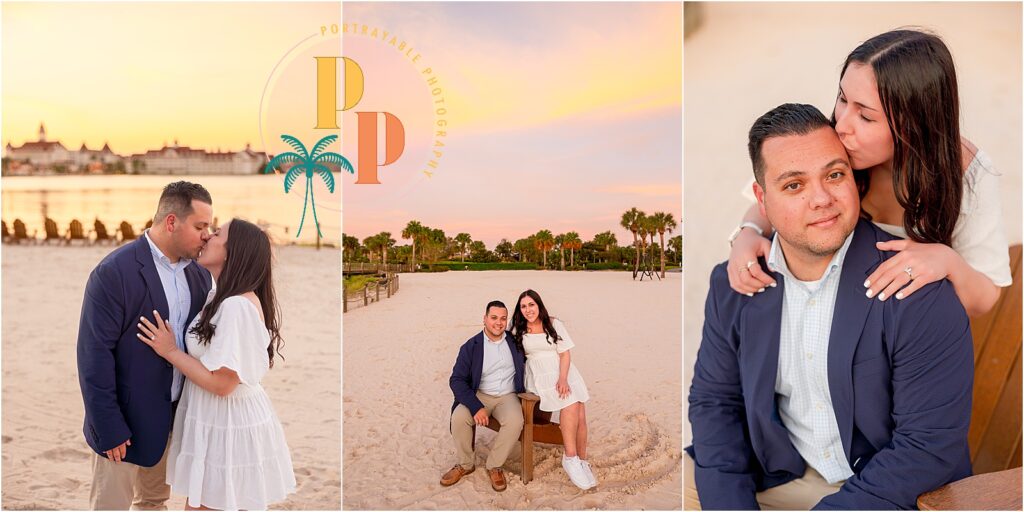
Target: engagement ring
909 272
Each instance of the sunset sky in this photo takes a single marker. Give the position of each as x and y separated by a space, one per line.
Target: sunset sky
560 116
139 74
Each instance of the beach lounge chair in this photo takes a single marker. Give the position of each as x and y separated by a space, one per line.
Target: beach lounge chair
537 428
52 233
77 233
995 432
102 236
127 232
21 234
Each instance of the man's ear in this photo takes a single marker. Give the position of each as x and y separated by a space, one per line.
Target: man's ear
170 222
759 194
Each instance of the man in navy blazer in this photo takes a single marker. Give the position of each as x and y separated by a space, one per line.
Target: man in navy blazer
486 378
129 391
812 393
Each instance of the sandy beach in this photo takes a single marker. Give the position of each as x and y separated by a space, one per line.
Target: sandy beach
793 52
46 462
399 353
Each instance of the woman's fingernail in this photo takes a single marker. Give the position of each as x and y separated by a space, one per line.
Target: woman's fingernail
870 293
750 295
899 295
881 296
761 290
772 285
867 284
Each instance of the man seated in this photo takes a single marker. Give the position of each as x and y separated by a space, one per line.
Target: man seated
811 394
487 375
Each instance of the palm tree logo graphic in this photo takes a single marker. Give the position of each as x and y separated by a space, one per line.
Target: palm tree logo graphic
310 162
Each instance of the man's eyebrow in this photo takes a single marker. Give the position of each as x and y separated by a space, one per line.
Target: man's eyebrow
838 161
788 175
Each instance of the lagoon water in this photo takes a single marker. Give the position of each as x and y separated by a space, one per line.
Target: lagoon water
111 199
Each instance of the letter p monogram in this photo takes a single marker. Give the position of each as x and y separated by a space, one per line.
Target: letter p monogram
327 116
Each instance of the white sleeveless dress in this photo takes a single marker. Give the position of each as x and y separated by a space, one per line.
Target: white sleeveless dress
542 370
229 453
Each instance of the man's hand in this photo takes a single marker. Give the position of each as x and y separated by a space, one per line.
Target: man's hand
481 417
118 453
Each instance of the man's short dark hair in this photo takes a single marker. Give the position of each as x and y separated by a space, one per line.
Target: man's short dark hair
177 199
785 119
495 304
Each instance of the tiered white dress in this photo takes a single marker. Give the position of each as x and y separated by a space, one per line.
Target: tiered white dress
542 370
229 453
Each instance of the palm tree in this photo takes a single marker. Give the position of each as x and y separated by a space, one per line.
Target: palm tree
380 242
572 241
544 241
463 240
560 242
312 162
372 244
504 249
631 221
664 222
350 246
606 240
676 244
523 246
413 230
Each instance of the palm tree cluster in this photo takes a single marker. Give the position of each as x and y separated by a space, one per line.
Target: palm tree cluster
543 247
643 226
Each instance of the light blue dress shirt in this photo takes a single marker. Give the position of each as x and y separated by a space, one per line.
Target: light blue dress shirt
179 300
801 383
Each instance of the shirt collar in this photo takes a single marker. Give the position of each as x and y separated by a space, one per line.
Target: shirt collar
777 261
492 342
159 255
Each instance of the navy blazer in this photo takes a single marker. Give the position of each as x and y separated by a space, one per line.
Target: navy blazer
126 386
465 379
900 375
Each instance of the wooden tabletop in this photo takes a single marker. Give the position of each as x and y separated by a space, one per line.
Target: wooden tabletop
990 491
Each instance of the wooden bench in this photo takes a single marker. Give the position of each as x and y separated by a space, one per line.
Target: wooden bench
995 432
537 428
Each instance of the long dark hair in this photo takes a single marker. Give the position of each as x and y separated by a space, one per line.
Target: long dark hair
918 89
247 269
519 321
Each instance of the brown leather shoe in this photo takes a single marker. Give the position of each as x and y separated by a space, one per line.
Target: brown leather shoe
497 479
455 474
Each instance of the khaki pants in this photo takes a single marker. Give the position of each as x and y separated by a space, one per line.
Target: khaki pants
123 485
800 494
507 410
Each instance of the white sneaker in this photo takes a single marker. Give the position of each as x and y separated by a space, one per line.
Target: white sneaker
589 472
576 472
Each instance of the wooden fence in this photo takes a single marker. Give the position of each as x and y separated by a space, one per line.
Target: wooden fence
373 268
370 293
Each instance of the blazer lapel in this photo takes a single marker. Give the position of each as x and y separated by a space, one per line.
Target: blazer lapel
761 323
478 359
147 268
851 310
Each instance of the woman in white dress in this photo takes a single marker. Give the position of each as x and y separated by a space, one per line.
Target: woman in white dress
551 375
228 450
897 113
